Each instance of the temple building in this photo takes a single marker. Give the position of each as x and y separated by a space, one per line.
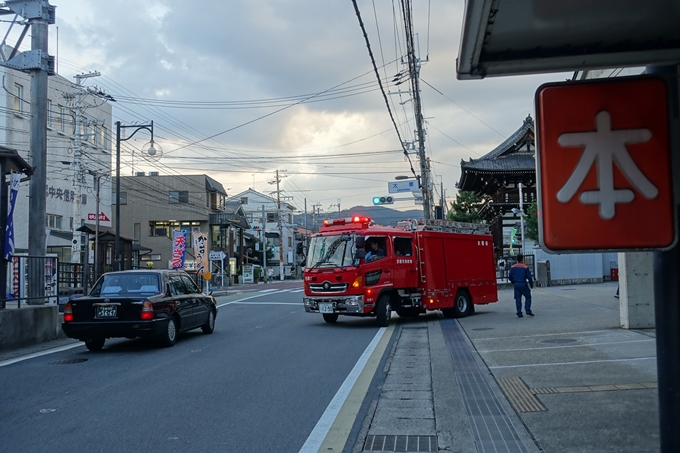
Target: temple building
502 174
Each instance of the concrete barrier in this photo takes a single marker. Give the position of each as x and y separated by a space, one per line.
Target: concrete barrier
28 325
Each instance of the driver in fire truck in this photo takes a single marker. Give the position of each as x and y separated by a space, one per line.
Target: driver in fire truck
375 249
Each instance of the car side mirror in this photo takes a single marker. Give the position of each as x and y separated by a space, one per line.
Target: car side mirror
360 242
361 253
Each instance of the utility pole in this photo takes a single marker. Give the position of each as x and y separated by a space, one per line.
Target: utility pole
316 209
414 72
38 15
77 108
264 246
334 205
277 181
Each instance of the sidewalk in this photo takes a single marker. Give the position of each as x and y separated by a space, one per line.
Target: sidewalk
567 380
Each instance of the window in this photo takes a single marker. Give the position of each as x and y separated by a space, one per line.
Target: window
215 200
103 138
272 217
49 113
159 229
123 198
290 218
244 200
18 98
53 221
290 241
181 196
137 232
177 286
61 119
402 247
190 285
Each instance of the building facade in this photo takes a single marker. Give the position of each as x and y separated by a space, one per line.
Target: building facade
79 141
272 221
152 206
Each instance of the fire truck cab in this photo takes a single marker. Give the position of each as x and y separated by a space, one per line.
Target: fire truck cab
356 268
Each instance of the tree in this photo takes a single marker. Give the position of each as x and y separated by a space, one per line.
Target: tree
531 219
466 207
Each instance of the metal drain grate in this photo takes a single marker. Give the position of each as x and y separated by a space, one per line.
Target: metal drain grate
401 443
67 361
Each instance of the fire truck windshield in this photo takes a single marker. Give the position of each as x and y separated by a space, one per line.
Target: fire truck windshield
331 251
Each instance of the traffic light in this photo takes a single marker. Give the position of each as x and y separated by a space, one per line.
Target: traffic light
383 200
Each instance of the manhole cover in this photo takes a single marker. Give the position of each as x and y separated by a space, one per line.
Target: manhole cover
560 341
67 361
484 328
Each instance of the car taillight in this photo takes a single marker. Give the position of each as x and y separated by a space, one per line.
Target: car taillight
68 312
147 310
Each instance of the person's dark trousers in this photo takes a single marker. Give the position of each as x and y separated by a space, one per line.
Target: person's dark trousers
522 290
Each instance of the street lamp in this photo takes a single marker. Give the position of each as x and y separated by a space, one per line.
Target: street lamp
152 150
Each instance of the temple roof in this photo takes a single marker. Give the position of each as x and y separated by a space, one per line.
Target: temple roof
515 156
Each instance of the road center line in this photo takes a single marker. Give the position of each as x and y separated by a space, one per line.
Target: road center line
323 426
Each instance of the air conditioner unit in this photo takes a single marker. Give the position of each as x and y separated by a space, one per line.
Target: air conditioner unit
140 173
153 173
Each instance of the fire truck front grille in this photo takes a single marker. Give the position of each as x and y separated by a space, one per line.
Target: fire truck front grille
328 287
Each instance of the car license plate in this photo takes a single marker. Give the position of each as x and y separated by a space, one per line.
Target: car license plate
325 308
107 311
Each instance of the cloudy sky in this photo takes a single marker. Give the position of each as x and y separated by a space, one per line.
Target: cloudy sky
238 89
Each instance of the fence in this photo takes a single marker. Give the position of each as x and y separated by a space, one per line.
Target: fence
23 271
502 270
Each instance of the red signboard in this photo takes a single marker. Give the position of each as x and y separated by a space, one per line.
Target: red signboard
604 173
102 217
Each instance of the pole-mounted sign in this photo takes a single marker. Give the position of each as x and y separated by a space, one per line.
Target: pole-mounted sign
604 169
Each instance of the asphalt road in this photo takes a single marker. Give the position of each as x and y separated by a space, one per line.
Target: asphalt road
260 382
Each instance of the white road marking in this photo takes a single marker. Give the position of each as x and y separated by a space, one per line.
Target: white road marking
566 346
267 290
266 303
570 363
297 291
324 424
542 335
41 353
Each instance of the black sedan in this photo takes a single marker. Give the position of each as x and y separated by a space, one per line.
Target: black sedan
139 303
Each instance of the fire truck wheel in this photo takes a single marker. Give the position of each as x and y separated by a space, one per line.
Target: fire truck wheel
383 311
462 306
330 318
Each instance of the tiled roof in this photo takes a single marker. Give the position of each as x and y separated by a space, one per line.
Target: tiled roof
511 162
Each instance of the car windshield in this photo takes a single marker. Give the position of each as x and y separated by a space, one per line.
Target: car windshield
127 284
331 251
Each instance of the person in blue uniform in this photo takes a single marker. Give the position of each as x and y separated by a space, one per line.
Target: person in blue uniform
520 277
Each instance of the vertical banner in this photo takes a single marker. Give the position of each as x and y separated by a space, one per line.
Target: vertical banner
179 247
201 253
9 234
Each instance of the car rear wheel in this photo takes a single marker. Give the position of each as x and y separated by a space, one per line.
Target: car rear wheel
170 336
383 311
209 326
330 317
95 345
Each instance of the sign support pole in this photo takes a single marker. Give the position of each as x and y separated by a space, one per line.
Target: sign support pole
667 290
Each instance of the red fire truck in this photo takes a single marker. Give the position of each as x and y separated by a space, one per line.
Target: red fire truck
356 268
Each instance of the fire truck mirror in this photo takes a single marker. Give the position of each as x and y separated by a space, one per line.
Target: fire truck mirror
360 242
360 253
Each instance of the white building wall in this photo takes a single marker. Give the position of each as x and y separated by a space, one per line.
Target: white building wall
96 153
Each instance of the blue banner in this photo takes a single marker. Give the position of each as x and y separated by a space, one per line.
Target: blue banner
179 247
9 233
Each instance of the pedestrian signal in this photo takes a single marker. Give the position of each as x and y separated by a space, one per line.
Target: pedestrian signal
383 200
